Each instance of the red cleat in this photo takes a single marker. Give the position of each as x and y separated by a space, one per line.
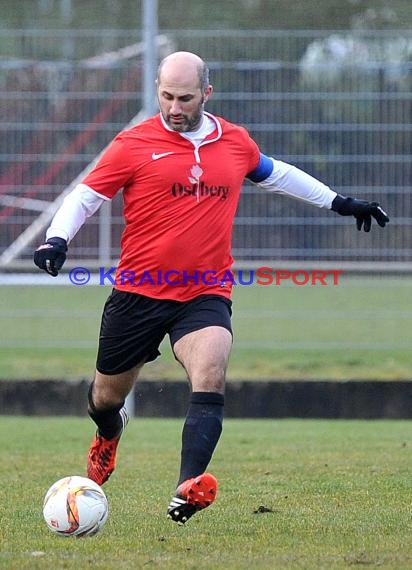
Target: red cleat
101 460
191 496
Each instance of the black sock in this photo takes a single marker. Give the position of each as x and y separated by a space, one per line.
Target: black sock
109 422
201 432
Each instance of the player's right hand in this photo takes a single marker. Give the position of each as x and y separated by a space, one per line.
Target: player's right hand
51 255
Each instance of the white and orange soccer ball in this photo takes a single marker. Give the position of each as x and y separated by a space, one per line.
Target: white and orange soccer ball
75 506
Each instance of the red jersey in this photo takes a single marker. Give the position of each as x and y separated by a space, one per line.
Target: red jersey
179 205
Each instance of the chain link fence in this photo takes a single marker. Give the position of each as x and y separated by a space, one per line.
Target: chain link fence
337 105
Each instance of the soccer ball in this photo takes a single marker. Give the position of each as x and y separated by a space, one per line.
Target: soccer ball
75 506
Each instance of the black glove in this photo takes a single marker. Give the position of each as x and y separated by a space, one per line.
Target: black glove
362 210
51 255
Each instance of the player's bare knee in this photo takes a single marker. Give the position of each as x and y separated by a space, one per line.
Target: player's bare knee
102 397
109 391
210 380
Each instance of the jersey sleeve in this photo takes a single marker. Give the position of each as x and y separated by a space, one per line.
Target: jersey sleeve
81 203
254 154
295 183
262 171
112 171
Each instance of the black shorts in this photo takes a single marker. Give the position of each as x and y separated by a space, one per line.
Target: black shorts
133 326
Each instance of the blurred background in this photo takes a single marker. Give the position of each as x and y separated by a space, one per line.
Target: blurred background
324 85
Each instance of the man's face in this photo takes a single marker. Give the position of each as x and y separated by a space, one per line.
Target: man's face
181 102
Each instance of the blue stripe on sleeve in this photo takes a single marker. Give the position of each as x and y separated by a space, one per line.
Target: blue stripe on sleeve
263 169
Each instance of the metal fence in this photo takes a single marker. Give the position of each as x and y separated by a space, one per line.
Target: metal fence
337 105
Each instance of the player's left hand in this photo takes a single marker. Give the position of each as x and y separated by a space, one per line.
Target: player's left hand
362 210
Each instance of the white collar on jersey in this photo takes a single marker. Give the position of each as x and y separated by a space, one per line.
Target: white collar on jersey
208 125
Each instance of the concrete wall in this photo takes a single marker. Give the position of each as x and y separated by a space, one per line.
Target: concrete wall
300 399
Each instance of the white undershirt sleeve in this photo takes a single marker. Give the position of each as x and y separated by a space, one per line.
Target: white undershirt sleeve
80 204
289 180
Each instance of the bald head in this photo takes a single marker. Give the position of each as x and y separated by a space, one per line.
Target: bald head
184 66
182 90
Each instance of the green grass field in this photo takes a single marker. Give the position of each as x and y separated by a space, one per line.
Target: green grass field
337 494
359 329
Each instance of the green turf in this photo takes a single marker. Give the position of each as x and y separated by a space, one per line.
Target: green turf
359 329
337 495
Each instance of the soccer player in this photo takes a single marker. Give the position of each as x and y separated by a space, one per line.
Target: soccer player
181 173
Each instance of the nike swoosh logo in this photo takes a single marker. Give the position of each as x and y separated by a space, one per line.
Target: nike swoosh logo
161 155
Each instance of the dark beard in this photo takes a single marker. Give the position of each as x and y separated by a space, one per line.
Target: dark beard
188 125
